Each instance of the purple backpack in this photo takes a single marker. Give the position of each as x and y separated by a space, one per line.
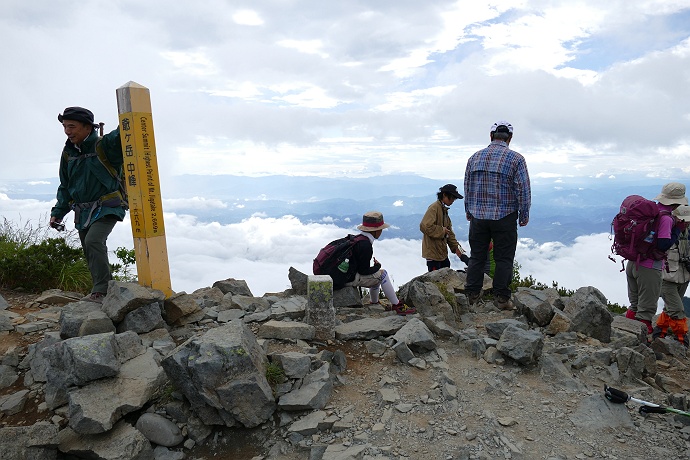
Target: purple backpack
334 253
635 230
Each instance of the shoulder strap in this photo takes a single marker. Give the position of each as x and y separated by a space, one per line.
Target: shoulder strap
102 157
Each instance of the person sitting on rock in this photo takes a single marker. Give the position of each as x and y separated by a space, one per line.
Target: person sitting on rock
361 273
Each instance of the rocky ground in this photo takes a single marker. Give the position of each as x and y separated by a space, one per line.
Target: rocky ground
450 405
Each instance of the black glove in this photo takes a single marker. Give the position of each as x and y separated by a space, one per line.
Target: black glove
464 258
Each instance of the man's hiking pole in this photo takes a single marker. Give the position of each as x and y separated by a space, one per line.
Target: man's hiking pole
620 397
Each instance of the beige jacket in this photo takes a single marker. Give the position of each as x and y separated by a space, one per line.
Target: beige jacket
676 270
435 242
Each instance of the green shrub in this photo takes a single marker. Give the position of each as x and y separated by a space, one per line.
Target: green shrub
41 266
34 259
123 271
275 374
75 277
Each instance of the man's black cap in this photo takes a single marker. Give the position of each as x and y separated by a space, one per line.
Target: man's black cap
78 114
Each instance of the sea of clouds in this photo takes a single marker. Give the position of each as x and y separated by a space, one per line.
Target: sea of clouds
261 250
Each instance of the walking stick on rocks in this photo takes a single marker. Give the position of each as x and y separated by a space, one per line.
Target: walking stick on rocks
646 407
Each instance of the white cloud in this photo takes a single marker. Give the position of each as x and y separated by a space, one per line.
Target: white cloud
260 250
305 46
360 88
195 203
398 203
247 18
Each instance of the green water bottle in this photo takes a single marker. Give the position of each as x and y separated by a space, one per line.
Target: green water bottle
344 265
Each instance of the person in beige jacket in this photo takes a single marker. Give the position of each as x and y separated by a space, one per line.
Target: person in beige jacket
438 231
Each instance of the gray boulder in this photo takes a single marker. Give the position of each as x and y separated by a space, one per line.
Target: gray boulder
222 375
159 430
6 320
244 303
77 361
35 361
428 299
143 319
312 395
58 297
560 322
298 281
631 364
494 329
416 335
522 346
553 371
535 305
123 298
123 442
95 408
233 286
88 314
347 297
8 375
35 442
296 365
286 330
588 313
179 305
369 328
637 328
292 307
13 403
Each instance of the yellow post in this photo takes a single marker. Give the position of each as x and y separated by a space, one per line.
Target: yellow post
143 186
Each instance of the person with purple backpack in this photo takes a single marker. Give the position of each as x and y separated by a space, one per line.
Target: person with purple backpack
644 276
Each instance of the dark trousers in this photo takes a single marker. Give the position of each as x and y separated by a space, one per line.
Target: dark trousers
503 232
432 265
93 242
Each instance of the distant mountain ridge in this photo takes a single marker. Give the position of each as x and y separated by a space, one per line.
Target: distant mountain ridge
562 208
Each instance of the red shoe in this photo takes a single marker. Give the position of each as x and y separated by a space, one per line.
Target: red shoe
630 314
402 309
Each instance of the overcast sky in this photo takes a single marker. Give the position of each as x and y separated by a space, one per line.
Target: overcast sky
352 88
356 87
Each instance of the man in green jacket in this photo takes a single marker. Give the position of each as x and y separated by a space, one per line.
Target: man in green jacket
89 186
438 231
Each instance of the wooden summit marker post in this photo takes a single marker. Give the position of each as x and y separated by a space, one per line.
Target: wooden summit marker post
143 186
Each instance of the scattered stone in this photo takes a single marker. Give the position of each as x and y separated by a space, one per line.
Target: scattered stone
159 430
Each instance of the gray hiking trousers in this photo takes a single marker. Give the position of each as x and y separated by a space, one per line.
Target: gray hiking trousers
93 242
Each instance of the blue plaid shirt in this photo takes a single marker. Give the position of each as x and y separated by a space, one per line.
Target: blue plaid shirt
497 183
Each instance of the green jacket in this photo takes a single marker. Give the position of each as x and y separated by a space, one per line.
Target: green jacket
435 242
84 181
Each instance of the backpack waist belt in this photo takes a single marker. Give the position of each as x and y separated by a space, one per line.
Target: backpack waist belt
110 200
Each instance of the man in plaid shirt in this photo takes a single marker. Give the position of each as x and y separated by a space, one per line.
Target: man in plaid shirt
497 197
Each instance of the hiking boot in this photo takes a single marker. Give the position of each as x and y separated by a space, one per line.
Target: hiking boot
472 297
402 309
504 303
630 314
96 297
658 333
683 340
